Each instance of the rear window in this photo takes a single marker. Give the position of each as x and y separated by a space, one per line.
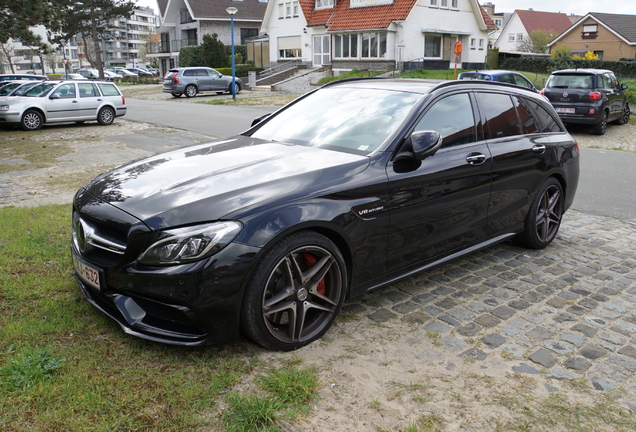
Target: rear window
108 89
475 76
579 81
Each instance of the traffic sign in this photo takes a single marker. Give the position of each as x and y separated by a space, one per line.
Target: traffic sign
65 61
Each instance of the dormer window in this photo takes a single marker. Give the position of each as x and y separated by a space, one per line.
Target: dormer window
325 4
590 31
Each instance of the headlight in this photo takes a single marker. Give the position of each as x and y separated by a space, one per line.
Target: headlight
4 107
184 245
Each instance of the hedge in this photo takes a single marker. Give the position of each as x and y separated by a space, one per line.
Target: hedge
623 69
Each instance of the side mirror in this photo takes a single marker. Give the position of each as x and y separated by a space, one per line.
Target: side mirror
624 86
259 119
425 143
55 96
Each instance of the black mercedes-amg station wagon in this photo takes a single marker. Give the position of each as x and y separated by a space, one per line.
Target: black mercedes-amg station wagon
347 188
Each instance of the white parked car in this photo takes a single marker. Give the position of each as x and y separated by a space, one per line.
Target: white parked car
111 76
73 76
124 73
63 101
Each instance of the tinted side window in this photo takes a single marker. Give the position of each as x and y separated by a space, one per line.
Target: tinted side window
501 116
520 81
525 117
505 79
453 118
189 72
546 121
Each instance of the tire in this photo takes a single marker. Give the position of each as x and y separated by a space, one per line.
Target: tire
295 292
219 93
237 88
625 116
544 217
600 127
190 91
32 120
80 122
175 94
106 116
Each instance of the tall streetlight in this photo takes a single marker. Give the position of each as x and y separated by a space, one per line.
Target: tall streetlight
232 10
63 41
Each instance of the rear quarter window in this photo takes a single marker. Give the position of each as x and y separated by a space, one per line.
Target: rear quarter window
545 120
108 89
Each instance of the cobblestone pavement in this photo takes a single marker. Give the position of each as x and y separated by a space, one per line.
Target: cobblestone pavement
568 311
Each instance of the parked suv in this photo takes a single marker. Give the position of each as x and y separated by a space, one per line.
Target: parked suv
588 96
63 101
193 80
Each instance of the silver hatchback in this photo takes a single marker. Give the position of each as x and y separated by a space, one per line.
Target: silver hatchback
193 80
63 101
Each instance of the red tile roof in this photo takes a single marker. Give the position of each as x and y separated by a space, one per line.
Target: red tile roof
344 18
341 17
532 20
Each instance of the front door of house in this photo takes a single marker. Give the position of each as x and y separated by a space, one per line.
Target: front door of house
322 53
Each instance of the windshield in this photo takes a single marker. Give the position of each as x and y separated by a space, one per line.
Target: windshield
37 90
356 120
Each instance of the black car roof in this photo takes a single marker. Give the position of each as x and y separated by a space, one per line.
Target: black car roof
582 71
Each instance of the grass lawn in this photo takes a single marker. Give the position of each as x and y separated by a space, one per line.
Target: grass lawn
66 367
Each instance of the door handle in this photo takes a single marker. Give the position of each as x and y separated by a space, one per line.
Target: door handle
99 100
475 158
539 148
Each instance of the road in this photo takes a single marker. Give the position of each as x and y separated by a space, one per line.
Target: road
606 186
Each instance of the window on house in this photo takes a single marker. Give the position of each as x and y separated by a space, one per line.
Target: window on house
590 31
454 4
248 33
325 4
472 43
373 45
432 46
444 3
289 47
481 44
511 37
346 46
519 37
434 3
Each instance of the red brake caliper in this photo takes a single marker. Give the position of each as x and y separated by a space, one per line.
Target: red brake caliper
311 261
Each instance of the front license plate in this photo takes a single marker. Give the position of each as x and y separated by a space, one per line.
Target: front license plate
566 110
87 273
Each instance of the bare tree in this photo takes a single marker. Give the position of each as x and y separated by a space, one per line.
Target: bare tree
8 52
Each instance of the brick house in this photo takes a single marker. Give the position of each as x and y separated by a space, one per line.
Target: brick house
610 36
376 34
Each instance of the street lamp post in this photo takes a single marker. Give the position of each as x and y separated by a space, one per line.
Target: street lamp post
65 62
232 11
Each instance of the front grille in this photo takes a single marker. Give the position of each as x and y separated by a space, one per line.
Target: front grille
98 242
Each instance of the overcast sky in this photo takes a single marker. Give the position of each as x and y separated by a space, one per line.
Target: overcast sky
577 7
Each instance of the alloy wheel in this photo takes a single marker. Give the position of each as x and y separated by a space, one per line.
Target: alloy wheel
549 213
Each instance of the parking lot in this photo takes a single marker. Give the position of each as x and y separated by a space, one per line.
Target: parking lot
563 316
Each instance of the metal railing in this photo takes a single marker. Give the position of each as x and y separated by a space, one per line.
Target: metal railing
282 67
172 46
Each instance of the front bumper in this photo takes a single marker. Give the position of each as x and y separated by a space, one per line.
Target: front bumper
188 305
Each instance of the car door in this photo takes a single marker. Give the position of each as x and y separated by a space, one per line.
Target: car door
217 81
614 95
89 100
441 203
203 79
520 154
62 104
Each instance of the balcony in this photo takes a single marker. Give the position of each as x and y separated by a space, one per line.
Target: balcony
172 46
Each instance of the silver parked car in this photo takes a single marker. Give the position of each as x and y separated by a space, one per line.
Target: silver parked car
193 80
63 101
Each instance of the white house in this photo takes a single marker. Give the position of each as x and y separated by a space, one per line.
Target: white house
524 22
377 34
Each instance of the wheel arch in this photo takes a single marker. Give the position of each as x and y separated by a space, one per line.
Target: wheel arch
39 110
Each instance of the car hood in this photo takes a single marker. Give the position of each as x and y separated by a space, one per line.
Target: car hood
210 181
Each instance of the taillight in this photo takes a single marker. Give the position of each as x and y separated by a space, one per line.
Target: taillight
595 96
175 79
541 92
123 100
